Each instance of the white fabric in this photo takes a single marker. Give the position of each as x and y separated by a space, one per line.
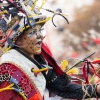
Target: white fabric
18 59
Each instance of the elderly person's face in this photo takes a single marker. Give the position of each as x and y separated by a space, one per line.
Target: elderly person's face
31 40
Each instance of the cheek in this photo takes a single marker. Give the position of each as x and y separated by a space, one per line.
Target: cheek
25 40
31 45
33 49
29 40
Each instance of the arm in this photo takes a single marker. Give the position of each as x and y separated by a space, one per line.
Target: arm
62 87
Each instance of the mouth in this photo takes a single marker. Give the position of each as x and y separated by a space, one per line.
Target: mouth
38 43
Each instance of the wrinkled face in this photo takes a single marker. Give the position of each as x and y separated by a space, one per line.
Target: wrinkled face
31 41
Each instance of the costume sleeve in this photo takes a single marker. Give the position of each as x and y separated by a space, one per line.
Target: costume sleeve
61 87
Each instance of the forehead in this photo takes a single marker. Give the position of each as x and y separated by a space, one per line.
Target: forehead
36 28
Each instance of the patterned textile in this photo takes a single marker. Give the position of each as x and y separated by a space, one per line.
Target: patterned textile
25 65
7 71
8 95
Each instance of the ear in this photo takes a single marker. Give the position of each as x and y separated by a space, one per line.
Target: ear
18 41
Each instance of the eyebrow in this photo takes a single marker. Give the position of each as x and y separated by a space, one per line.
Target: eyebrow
39 29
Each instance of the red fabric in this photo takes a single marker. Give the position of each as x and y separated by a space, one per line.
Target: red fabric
96 61
85 73
74 55
46 53
94 70
24 81
10 94
35 97
46 49
11 1
97 41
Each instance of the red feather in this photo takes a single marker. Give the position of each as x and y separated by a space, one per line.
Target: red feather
46 53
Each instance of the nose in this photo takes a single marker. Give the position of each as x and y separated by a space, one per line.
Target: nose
39 35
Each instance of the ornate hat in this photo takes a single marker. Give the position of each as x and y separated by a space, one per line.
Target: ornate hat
18 15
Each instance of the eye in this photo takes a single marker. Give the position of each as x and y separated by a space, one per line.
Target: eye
34 31
41 30
30 34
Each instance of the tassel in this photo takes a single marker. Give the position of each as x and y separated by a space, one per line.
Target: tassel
37 71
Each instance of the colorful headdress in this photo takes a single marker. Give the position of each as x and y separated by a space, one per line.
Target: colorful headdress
18 15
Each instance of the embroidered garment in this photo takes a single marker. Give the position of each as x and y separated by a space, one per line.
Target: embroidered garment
19 68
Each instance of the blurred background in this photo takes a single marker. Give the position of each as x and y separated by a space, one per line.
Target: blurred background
81 36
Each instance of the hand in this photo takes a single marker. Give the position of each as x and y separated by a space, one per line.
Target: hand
98 88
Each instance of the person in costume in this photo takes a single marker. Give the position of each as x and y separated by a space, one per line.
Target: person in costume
27 69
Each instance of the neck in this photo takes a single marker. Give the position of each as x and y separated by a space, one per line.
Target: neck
30 55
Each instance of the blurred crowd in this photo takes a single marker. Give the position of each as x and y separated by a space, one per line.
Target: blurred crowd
78 38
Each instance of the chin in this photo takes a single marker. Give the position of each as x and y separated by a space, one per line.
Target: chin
38 52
